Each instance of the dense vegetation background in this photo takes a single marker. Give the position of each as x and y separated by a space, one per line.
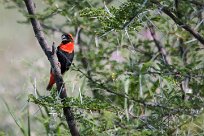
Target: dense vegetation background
138 68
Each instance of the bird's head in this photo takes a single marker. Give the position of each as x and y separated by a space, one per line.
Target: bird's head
66 38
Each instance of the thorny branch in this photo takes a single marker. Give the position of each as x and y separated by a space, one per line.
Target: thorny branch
169 110
179 22
51 55
103 86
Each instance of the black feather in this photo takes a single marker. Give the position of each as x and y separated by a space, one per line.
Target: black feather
65 59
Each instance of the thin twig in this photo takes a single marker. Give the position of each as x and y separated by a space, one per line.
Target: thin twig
54 29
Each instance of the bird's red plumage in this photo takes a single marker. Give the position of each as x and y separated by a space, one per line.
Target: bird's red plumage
65 54
68 47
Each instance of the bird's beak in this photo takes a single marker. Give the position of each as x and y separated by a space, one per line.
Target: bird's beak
64 38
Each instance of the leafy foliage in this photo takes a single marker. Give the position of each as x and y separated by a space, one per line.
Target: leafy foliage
145 71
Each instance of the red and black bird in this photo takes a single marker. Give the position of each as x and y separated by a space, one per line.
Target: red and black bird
65 55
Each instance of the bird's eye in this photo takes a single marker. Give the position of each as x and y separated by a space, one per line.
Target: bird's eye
63 36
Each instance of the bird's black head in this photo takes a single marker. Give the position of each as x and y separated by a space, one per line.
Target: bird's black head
66 38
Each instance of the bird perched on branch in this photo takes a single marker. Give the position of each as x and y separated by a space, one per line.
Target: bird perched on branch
65 55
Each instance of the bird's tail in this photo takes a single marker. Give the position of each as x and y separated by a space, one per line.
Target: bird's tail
51 82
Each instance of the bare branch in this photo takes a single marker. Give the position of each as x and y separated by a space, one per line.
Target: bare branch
179 22
51 55
160 47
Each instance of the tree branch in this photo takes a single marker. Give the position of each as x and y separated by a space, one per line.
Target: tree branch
179 22
160 47
51 55
197 3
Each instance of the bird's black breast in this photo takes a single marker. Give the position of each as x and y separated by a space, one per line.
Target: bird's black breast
65 59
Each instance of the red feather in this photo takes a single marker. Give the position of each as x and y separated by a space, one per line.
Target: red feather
68 47
51 82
